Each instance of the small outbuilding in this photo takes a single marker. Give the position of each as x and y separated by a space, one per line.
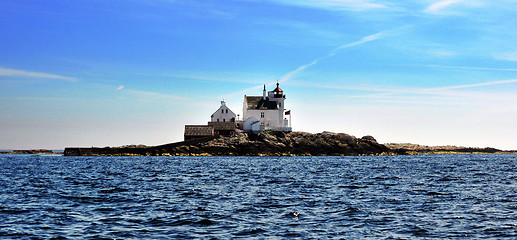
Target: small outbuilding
223 128
198 131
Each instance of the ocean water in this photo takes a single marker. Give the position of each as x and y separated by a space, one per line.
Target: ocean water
371 197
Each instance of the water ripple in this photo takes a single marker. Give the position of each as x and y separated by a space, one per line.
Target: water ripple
391 197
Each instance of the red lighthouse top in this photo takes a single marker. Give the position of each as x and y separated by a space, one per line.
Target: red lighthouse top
278 92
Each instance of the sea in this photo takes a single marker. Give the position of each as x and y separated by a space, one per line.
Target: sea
471 196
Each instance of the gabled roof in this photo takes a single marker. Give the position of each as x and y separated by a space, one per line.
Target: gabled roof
222 126
258 103
199 130
223 106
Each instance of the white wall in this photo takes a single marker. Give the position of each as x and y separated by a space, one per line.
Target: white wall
223 114
270 120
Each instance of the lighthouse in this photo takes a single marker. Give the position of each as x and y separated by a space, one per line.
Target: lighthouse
265 112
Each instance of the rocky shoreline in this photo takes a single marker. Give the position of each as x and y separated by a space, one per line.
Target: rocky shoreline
32 151
408 148
278 144
286 144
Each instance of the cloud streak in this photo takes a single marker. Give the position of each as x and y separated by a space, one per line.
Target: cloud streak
461 67
445 91
334 5
21 73
302 68
475 85
439 6
508 56
155 96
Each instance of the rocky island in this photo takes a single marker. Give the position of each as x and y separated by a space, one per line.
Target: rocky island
265 129
269 143
31 151
276 143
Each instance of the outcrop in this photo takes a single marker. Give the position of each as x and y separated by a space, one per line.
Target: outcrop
280 143
32 151
409 148
273 143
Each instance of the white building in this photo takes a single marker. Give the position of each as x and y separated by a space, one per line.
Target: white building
265 112
223 114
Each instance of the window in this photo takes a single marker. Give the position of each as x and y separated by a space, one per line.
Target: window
226 110
224 119
279 104
222 110
262 115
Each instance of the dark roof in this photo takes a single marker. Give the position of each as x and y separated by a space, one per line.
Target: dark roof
199 130
221 126
256 102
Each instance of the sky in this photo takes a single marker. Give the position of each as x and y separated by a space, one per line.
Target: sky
111 73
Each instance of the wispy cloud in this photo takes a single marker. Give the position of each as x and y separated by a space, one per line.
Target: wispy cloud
508 56
352 5
44 99
441 53
474 85
155 96
148 96
437 7
462 67
302 68
444 93
21 73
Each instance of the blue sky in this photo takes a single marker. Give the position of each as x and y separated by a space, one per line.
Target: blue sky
110 73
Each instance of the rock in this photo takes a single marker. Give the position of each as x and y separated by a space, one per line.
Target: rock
274 144
250 144
408 148
298 143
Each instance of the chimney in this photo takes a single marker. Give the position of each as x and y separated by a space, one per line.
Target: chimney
264 93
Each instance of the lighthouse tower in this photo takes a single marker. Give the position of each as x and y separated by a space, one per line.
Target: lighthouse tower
266 111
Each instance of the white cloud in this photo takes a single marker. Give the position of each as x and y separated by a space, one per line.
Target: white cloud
155 96
476 84
21 73
302 68
460 67
439 6
366 39
508 56
120 87
353 5
446 95
441 53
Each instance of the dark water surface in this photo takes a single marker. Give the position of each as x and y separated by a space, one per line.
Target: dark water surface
391 197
